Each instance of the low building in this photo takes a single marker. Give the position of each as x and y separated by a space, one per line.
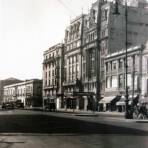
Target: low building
29 92
33 93
6 82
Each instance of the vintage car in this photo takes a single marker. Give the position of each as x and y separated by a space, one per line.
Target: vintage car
7 105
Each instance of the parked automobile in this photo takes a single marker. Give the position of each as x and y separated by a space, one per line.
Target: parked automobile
50 105
7 105
18 104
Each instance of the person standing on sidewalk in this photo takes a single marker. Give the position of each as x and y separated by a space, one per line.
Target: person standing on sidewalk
143 112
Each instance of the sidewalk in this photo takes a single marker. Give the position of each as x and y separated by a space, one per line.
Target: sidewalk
92 113
115 115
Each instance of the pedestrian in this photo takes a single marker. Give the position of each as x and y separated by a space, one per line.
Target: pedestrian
142 112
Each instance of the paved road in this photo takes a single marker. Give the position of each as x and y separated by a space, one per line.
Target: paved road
29 129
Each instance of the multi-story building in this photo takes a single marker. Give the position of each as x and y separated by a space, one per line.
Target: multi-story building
73 62
115 75
29 92
99 31
53 74
111 37
115 33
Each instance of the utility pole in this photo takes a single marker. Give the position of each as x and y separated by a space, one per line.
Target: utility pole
62 74
98 56
133 83
140 71
126 65
81 51
128 111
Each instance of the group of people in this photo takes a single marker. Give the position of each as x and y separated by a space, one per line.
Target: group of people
141 111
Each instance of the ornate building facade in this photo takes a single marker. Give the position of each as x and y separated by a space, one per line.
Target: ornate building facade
53 74
89 39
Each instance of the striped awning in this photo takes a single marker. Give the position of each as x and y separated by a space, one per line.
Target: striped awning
143 100
106 100
122 100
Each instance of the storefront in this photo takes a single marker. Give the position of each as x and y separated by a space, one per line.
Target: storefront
108 103
133 100
49 102
79 100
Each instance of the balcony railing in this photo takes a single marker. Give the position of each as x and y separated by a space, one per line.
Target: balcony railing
69 83
52 59
50 87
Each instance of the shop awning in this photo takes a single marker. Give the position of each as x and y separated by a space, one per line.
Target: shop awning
106 100
130 96
49 97
122 100
120 103
143 100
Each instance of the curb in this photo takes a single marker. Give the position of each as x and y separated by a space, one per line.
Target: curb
95 114
88 115
142 121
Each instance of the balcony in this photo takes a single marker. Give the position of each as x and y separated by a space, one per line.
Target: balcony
69 83
14 95
114 72
108 72
129 69
46 61
50 87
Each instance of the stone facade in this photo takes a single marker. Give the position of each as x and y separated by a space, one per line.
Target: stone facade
115 71
84 39
29 92
53 74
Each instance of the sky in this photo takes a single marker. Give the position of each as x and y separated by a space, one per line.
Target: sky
28 28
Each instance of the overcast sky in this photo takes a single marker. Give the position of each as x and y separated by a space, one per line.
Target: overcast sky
29 27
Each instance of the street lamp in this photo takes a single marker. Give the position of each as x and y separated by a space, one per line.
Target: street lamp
128 111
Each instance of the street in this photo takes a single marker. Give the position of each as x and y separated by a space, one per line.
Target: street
36 129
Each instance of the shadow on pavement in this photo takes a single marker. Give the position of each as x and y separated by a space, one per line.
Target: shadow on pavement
59 125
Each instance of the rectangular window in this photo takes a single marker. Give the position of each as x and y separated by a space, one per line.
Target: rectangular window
74 69
70 70
53 72
77 58
136 82
52 81
114 82
121 81
67 47
49 74
77 68
108 80
147 65
74 59
121 63
104 14
114 65
107 67
129 80
70 60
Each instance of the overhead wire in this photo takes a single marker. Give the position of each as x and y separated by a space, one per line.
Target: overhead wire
67 7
